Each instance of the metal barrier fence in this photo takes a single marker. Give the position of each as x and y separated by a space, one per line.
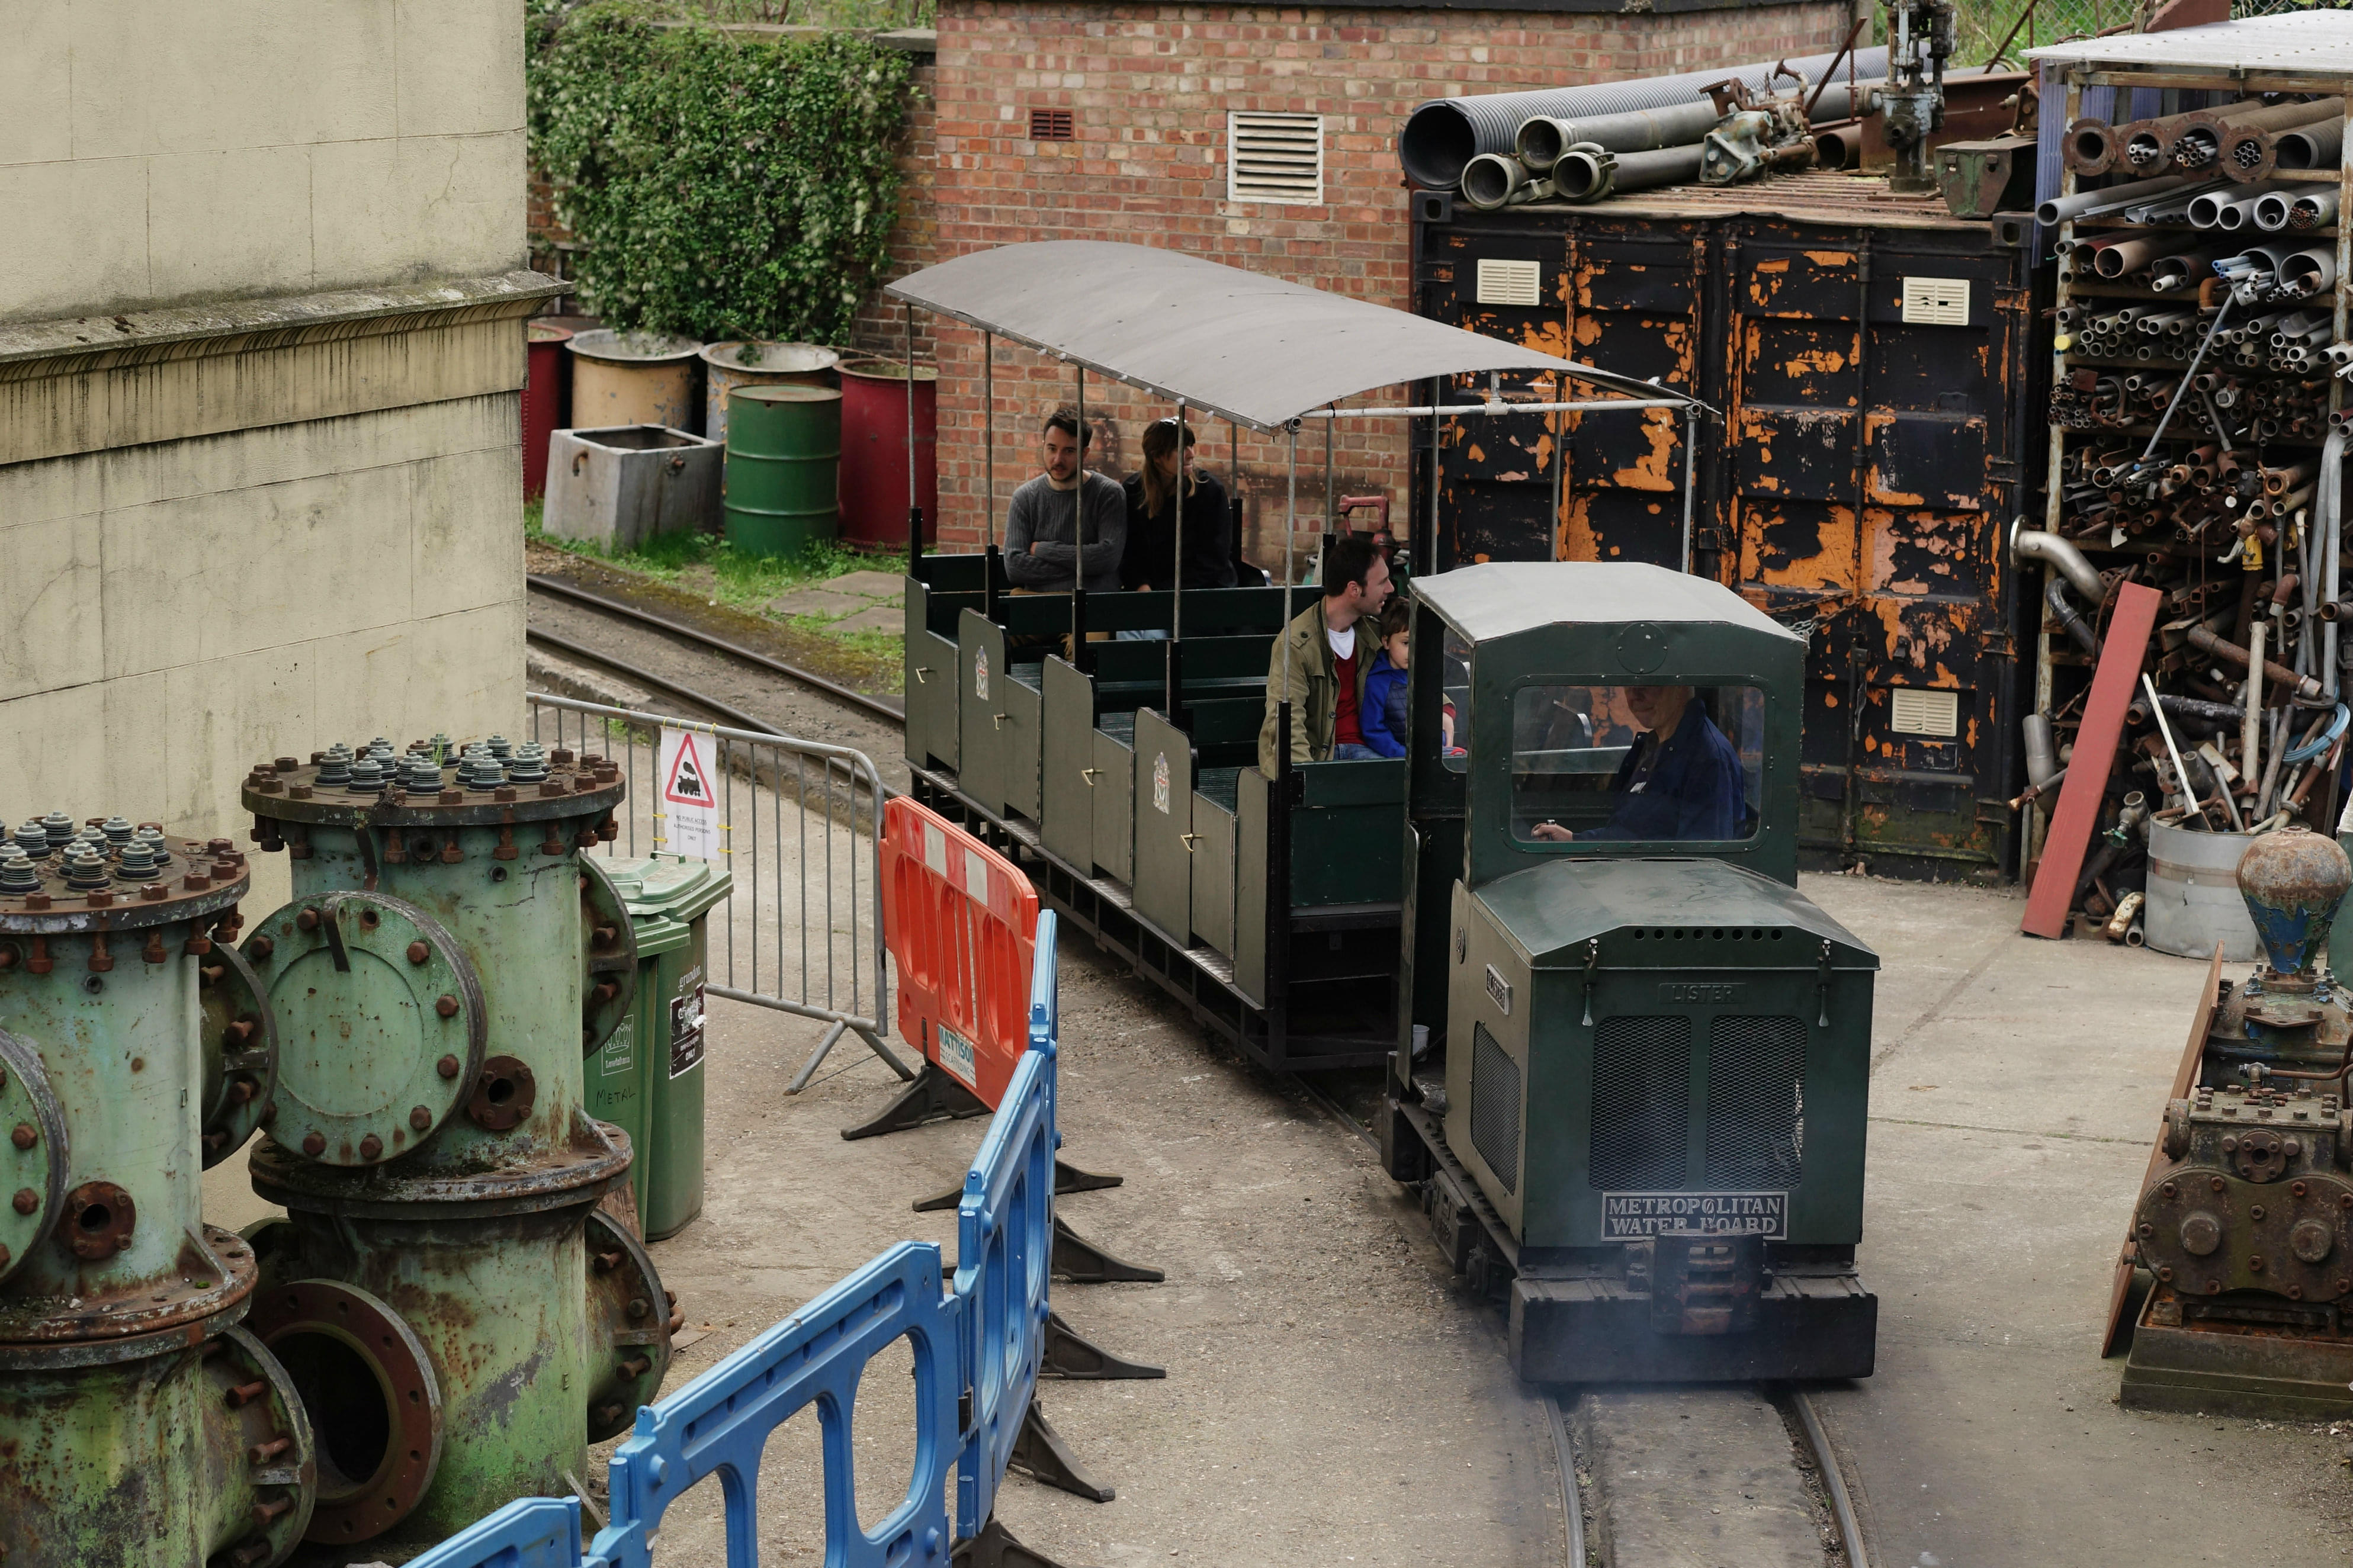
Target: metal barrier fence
802 928
982 1339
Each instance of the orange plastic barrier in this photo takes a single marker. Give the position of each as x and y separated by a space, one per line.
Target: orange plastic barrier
963 923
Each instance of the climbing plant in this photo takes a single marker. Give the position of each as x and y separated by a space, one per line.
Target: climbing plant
721 185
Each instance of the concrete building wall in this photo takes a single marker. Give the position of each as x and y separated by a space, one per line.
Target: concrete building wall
261 347
1149 89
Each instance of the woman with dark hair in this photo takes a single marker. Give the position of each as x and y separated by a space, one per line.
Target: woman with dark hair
1152 503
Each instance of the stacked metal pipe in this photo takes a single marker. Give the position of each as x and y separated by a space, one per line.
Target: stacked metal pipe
139 1424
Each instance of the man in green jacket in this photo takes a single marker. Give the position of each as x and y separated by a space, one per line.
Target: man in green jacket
1327 658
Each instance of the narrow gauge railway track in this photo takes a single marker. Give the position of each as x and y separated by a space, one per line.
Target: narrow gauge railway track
1564 1444
555 588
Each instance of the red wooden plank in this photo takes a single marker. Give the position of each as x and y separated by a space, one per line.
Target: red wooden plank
2095 750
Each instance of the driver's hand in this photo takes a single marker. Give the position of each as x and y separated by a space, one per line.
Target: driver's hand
1551 832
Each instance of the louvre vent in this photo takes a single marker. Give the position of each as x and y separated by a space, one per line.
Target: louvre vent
1274 158
1510 282
1495 1108
1936 301
1756 1102
1913 712
1050 125
1641 1104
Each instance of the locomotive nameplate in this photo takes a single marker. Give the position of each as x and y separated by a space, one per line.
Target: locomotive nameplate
1685 992
1637 1217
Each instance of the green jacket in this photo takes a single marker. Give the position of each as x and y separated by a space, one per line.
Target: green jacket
1315 687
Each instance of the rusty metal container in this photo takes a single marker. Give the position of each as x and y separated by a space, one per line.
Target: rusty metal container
1871 358
139 1425
448 957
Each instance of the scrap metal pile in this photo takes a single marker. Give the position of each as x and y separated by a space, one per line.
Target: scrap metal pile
2199 454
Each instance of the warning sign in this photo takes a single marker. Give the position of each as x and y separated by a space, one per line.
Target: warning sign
690 801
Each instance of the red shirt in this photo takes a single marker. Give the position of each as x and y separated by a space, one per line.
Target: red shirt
1344 728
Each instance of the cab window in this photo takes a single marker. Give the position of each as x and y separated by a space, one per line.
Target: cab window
1595 763
1454 716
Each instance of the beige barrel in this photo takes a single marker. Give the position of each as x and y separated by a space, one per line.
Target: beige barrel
635 378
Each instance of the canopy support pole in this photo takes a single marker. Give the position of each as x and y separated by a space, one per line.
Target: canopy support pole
1559 462
1429 561
1330 497
914 507
1691 478
1290 548
988 429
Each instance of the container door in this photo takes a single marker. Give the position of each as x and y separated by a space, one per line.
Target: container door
1635 310
1869 469
1506 281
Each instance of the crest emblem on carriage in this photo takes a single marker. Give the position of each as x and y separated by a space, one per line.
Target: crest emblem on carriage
1160 784
980 675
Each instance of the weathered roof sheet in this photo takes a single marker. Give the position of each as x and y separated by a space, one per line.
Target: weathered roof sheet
1497 598
1247 347
2318 43
1552 908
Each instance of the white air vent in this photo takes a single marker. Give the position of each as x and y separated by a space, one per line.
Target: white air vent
1274 158
1936 301
1509 282
1916 713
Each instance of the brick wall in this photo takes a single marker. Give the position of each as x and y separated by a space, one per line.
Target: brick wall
914 240
1149 89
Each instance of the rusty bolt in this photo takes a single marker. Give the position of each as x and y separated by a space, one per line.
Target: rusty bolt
2255 1262
2147 1229
26 1201
419 1119
606 1415
371 1146
2293 1147
2219 1183
314 1144
2256 1212
24 1137
637 1366
241 1092
262 947
244 1393
307 920
236 1031
605 935
262 1453
263 1512
607 1261
418 953
2296 1187
639 1308
606 991
447 1006
447 1067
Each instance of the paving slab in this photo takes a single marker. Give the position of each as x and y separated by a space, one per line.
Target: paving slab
823 602
868 584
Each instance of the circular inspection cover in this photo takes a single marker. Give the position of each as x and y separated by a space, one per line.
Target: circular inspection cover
380 1025
1642 649
32 1151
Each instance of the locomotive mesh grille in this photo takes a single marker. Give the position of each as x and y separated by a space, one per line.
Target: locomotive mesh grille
1756 1102
1641 1104
1495 1108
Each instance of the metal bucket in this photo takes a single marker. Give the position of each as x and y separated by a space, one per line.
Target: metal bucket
634 378
2194 895
726 367
784 465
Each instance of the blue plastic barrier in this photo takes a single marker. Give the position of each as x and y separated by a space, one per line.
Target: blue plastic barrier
1005 1243
983 1337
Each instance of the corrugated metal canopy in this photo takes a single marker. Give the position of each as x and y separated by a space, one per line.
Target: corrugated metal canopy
1250 348
1501 599
2318 43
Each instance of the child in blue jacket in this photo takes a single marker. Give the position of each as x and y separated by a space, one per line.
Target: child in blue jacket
1383 716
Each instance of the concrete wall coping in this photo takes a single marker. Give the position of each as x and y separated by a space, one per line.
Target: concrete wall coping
908 40
29 350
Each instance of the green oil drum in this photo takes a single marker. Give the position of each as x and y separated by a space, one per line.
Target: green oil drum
647 1078
783 464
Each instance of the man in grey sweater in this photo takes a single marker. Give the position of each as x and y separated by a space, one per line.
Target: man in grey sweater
1045 548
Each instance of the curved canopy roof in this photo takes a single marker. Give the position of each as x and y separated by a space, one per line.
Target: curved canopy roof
1500 599
1247 347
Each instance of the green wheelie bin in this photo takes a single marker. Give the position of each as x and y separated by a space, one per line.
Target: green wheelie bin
648 1079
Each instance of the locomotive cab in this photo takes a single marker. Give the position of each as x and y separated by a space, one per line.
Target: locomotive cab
1642 1122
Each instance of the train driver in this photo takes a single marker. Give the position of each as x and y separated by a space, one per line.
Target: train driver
1681 778
1328 658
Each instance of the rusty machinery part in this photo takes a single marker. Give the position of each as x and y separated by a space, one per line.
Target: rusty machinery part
372 1397
372 789
239 1040
2274 1026
579 1172
504 1092
32 1152
2258 1200
629 1319
2293 882
276 1444
608 958
396 1002
215 1272
88 882
96 1221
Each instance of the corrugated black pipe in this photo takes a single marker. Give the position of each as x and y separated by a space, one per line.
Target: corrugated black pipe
1442 135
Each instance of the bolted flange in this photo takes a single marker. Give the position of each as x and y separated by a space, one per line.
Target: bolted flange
608 957
628 1326
32 1154
240 1052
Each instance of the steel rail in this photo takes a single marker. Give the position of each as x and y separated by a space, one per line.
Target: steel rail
1572 1501
1850 1529
734 715
556 588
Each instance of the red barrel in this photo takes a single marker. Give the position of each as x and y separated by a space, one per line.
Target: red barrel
874 451
543 403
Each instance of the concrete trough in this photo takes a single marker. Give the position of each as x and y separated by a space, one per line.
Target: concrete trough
617 485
